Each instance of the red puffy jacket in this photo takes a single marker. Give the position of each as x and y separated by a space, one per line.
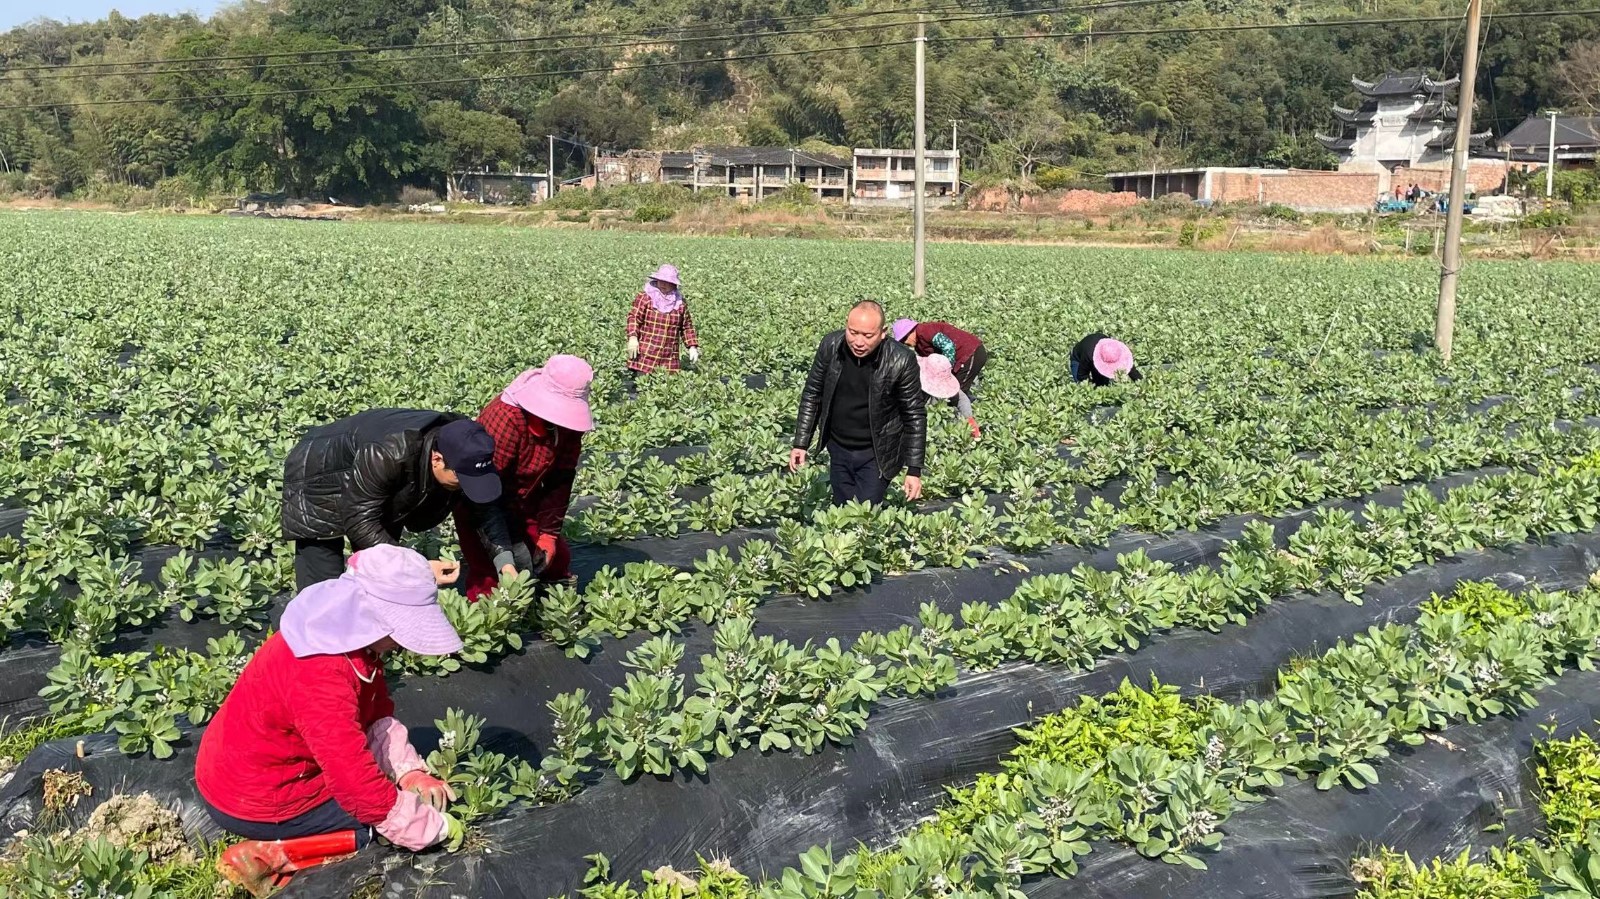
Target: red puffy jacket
292 734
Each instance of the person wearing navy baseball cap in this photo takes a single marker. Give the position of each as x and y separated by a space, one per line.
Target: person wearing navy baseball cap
371 477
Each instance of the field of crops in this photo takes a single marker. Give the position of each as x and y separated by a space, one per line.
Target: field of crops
1298 603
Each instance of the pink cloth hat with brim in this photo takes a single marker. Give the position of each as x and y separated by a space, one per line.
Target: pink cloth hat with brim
937 379
1112 358
667 273
557 393
385 591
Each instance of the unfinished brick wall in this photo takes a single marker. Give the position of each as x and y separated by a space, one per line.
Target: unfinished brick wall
1062 202
1485 176
1321 191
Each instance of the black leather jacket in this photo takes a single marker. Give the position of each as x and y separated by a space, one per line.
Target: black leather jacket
896 408
369 477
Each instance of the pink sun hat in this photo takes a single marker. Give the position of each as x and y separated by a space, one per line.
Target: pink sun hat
557 393
667 273
1112 358
385 591
937 379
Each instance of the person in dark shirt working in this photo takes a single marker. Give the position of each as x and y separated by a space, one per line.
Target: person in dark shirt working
864 396
1101 360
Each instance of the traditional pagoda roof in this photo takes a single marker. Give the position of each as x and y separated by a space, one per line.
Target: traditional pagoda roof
1447 141
1409 83
1337 144
1356 116
1435 111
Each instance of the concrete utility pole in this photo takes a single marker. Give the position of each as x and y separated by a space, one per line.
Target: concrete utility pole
1550 169
919 212
550 170
954 134
1445 324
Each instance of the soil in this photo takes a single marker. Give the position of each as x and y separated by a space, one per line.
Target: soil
142 823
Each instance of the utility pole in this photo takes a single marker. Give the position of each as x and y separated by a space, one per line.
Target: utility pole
1445 325
954 135
919 212
1550 169
550 170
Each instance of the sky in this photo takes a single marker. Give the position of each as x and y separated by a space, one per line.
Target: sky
16 12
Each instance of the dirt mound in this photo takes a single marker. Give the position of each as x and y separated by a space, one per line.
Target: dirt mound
141 822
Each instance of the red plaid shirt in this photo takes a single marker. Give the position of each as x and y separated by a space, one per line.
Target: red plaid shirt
659 334
537 462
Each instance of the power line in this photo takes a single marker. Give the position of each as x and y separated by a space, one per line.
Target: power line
477 54
651 35
818 51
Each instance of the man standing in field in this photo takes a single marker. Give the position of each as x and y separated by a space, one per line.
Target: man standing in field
372 476
864 395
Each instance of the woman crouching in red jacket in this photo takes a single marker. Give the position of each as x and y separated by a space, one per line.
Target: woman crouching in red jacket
304 758
537 423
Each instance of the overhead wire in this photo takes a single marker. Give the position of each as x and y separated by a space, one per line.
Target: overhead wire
479 54
771 54
647 36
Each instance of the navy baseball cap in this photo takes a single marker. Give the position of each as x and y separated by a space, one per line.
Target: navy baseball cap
468 450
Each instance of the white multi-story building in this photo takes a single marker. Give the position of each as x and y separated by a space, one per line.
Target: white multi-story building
1406 120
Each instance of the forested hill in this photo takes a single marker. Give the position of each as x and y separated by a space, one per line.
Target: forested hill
292 105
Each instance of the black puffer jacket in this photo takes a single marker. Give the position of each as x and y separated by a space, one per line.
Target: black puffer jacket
369 477
896 407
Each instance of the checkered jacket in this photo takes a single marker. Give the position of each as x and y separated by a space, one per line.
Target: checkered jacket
537 462
659 334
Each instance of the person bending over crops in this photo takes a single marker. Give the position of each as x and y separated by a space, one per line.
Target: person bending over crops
863 394
538 425
965 351
1101 360
658 322
305 759
375 475
940 383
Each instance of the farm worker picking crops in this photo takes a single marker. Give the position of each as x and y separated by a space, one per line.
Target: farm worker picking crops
375 475
864 396
966 353
658 322
304 759
939 383
1101 360
538 425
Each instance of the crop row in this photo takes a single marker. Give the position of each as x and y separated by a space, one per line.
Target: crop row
1163 775
1563 862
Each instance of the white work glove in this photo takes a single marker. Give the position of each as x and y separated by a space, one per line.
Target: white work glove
694 354
633 347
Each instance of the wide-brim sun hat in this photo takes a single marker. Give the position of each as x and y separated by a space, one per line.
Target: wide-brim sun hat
1112 358
902 327
667 273
938 381
557 393
385 591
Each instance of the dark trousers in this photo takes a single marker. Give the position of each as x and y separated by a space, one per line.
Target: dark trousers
328 817
854 475
968 374
316 561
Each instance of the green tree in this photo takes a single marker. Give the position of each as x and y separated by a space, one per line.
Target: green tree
465 139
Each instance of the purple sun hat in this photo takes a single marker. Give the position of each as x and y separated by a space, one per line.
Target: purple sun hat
902 327
385 591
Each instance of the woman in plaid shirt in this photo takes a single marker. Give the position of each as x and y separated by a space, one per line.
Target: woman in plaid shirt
658 322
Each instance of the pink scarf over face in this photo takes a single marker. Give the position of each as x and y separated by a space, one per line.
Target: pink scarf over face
663 302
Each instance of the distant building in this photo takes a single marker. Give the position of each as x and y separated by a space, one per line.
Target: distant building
1406 121
1577 141
1308 191
889 176
751 173
498 188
